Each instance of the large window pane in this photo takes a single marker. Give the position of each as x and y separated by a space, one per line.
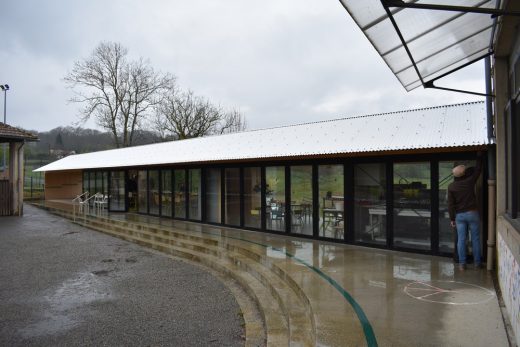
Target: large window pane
85 182
166 193
132 190
446 234
117 191
105 183
252 197
99 182
180 193
194 194
301 199
232 196
370 203
153 191
142 192
331 201
213 195
275 198
412 208
92 183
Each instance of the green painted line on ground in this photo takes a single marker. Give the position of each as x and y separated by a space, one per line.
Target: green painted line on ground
367 327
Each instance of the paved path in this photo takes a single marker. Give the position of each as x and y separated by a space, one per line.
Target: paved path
64 285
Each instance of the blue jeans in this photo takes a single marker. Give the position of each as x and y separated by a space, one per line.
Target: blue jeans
464 220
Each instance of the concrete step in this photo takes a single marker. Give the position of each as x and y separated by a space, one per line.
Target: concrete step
288 295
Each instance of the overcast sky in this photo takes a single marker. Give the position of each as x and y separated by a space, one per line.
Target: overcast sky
279 61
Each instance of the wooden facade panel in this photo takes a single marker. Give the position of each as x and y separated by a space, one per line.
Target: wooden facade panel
63 185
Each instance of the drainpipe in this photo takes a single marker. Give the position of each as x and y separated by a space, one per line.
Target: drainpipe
20 182
491 157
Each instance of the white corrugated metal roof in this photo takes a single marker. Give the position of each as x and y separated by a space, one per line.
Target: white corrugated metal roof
435 127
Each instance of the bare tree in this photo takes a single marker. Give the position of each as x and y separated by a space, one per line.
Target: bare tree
119 94
184 115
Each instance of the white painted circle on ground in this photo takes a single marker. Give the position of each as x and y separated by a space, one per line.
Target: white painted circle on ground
448 292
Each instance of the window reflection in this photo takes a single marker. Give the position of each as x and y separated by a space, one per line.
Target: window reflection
301 200
180 193
370 203
275 198
331 201
213 195
412 205
142 190
153 191
252 197
194 194
446 234
92 183
117 191
232 197
166 193
85 182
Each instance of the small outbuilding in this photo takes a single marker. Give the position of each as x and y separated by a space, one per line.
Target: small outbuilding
12 174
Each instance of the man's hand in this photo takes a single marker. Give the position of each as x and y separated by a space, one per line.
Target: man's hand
453 224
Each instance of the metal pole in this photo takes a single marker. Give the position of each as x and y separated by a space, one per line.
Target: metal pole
5 108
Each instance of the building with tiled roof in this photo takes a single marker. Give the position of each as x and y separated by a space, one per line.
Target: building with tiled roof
11 174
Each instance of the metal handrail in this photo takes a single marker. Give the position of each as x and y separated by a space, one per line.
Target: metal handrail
83 205
80 197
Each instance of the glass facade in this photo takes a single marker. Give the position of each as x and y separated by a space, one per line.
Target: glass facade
446 234
166 193
104 191
370 203
142 191
252 197
99 182
92 184
301 200
153 192
232 196
85 182
331 203
194 194
213 195
116 199
275 198
412 205
179 201
317 199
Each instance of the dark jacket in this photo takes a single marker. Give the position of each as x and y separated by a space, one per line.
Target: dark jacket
461 192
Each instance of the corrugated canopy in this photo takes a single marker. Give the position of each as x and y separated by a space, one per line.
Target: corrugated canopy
439 41
436 127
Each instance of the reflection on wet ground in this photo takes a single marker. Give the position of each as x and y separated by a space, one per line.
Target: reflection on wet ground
404 299
64 304
408 299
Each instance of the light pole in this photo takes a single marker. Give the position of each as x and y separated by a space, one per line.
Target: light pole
5 88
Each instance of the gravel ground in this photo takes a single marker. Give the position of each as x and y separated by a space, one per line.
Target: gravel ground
65 285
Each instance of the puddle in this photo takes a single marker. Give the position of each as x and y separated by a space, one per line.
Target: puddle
101 272
66 305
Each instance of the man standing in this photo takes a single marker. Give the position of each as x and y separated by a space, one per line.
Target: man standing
463 209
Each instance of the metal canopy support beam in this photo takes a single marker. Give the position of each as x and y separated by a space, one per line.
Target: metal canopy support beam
491 11
430 84
398 31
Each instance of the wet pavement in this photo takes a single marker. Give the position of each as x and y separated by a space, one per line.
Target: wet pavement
365 296
65 285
